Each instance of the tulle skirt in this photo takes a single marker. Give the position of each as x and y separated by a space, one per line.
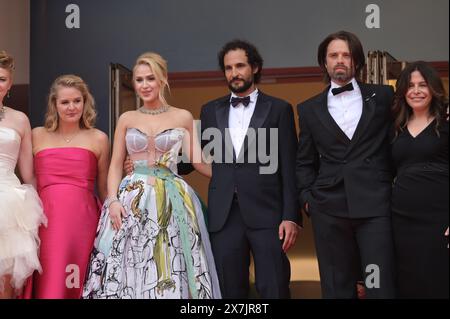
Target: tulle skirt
21 214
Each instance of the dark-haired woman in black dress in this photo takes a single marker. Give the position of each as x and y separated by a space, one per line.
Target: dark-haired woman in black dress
420 200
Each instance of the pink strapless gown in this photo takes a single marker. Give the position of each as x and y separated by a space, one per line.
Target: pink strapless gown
65 181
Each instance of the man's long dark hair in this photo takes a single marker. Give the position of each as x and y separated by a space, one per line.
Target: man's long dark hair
355 47
253 56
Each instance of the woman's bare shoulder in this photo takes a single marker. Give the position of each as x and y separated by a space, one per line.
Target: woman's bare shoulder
98 135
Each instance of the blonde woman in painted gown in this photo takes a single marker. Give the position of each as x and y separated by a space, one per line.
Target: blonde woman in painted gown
152 241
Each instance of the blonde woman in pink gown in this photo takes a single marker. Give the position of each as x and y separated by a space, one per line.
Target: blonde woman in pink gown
70 156
20 208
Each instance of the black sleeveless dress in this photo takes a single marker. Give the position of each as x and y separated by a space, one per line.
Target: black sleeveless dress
420 212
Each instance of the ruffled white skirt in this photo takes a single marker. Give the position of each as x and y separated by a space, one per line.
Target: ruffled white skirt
21 214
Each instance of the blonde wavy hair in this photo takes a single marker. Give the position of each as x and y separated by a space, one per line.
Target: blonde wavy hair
6 61
159 68
89 116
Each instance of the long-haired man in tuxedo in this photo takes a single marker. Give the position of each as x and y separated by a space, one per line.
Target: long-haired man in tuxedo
343 173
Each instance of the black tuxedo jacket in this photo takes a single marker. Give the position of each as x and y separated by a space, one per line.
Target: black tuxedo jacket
339 176
264 199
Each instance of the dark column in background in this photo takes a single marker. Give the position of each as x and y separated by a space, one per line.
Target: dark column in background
18 98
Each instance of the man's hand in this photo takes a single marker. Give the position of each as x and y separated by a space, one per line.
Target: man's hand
288 233
128 166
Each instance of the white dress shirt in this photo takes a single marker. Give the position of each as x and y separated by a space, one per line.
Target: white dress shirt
239 121
346 108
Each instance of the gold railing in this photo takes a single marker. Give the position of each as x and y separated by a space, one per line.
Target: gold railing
382 68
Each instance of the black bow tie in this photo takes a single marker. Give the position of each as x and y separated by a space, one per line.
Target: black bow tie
244 100
347 87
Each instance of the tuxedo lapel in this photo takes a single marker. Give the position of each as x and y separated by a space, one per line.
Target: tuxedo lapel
262 110
368 110
327 120
222 116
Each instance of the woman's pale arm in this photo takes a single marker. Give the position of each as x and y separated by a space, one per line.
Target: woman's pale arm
103 164
25 161
116 211
192 147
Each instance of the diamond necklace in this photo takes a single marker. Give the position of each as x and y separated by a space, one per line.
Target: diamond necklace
157 111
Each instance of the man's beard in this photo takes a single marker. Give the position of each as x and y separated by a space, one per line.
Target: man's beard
241 89
342 76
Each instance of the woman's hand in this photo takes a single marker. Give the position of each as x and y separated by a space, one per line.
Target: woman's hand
116 213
